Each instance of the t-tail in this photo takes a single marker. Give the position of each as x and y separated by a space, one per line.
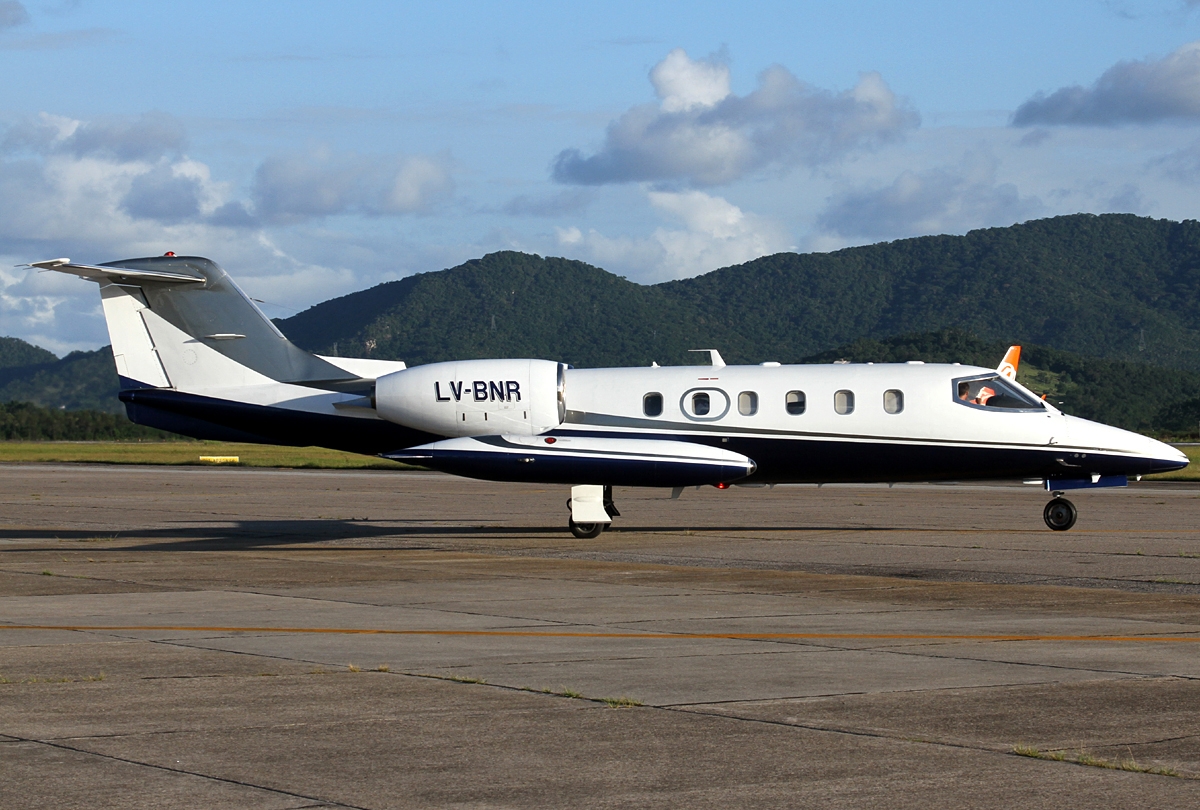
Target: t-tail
180 322
196 356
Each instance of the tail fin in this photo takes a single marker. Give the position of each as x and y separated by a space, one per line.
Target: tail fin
1008 366
181 322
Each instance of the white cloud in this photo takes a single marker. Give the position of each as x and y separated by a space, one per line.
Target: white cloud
322 183
1129 92
702 134
684 84
147 137
716 233
937 200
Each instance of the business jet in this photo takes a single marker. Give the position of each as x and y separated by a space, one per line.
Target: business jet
196 356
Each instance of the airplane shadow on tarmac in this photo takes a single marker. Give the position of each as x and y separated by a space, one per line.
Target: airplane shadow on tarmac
262 534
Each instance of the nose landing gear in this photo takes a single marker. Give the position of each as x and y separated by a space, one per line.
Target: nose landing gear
1060 514
585 531
595 508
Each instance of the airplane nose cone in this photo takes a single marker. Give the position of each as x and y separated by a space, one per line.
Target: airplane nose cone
1166 458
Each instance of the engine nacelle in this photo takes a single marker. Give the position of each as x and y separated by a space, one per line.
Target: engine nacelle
475 397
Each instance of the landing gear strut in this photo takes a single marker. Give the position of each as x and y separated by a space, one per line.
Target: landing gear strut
1060 514
595 508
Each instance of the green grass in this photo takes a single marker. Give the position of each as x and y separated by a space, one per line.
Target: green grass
181 453
1084 758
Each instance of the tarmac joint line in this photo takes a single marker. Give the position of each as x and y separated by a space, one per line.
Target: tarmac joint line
369 631
183 772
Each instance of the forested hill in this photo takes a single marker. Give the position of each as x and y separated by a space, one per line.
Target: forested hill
1115 286
16 353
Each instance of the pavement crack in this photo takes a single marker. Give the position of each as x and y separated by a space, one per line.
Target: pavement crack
320 802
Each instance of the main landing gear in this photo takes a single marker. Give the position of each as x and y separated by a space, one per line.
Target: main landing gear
593 506
1060 514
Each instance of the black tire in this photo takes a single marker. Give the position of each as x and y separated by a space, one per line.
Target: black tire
585 531
1060 514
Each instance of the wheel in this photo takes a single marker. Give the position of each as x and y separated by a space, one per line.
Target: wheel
585 531
1060 514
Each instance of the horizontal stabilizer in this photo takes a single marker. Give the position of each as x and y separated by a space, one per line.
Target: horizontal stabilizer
97 273
581 460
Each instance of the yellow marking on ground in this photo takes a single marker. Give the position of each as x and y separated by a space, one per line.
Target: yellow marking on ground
361 631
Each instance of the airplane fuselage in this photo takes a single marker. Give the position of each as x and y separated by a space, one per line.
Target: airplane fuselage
195 356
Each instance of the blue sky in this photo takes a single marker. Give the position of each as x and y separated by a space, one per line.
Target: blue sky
316 148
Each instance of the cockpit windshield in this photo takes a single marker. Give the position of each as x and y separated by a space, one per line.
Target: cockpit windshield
993 391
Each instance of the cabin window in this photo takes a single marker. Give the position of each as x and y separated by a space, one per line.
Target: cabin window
796 402
652 404
893 401
701 404
747 403
843 402
993 391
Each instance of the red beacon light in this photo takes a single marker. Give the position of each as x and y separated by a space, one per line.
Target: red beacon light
721 485
169 253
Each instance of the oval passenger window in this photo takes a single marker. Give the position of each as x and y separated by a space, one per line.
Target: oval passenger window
747 403
652 404
700 404
843 402
893 401
796 402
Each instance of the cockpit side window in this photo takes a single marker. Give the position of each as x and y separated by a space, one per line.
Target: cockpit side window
993 391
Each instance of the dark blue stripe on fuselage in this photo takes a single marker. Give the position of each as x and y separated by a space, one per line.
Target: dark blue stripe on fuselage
830 460
222 420
779 460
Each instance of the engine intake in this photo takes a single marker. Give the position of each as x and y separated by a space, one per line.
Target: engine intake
475 397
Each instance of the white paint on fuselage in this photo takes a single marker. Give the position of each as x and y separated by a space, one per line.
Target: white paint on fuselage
931 411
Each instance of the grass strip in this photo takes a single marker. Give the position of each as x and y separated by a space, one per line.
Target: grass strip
1188 473
188 453
1084 758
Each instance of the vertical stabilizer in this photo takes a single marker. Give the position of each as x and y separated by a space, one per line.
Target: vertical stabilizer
1008 366
181 322
138 364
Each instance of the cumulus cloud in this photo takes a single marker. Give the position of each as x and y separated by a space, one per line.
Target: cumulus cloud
147 137
12 14
1138 92
716 233
932 201
166 193
93 191
701 133
321 183
112 188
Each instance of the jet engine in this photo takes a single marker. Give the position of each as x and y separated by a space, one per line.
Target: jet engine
475 397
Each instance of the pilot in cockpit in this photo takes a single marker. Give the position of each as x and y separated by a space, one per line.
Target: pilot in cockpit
982 396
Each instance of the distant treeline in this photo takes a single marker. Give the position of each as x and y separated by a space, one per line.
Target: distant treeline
1116 286
1150 399
24 421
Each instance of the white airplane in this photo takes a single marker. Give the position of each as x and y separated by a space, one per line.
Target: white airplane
195 356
